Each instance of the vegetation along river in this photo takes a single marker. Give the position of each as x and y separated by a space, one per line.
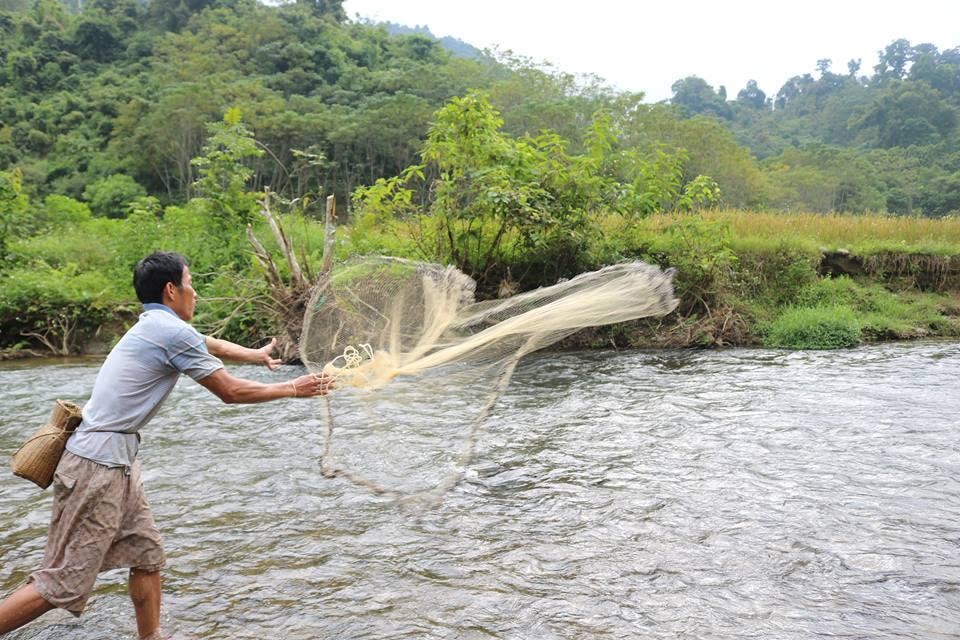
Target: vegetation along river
647 494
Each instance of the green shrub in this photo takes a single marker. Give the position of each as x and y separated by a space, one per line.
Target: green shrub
883 314
58 308
110 197
776 274
700 251
833 327
841 290
62 211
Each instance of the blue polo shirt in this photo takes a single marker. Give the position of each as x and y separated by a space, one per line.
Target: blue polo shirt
133 382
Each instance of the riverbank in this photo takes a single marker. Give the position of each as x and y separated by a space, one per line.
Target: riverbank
801 281
778 299
743 279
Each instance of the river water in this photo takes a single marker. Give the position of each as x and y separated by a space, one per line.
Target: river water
654 494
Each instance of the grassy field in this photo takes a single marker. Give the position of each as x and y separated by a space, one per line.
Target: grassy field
799 280
863 235
744 277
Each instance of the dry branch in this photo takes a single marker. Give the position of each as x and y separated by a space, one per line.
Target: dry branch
288 297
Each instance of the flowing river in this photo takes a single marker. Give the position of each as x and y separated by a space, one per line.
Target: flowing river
646 494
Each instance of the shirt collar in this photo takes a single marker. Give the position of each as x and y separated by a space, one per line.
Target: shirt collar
151 306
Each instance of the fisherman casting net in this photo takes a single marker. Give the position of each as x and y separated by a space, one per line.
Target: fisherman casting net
413 354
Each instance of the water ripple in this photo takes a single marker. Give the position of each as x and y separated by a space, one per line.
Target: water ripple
731 494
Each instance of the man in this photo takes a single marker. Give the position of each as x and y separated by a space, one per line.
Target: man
101 519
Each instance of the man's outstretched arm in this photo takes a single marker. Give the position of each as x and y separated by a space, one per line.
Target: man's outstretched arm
229 351
233 390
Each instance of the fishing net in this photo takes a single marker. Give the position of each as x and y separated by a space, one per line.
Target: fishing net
420 365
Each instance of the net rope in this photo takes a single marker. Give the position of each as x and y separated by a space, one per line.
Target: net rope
401 336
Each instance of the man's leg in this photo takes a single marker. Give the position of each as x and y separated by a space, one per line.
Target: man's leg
145 593
23 605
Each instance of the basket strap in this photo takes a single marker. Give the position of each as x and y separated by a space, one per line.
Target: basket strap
42 435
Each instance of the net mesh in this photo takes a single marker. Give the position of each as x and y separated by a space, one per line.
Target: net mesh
418 361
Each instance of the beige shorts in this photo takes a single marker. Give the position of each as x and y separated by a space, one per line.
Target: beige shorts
100 521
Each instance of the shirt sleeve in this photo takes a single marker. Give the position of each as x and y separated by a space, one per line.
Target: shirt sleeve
189 355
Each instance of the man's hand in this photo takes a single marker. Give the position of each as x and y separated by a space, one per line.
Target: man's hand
263 356
312 384
230 351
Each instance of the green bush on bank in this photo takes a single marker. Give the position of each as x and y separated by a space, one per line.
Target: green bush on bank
59 286
883 314
832 327
774 274
59 308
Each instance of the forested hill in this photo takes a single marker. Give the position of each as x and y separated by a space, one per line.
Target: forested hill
109 104
891 136
454 45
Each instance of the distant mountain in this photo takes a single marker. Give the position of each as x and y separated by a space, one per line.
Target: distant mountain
457 47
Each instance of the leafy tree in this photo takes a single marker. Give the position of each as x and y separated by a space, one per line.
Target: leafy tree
486 201
158 142
752 96
172 15
96 37
61 211
823 179
223 172
909 113
13 209
111 197
940 196
534 97
121 87
326 8
792 89
893 61
496 196
695 96
940 71
703 146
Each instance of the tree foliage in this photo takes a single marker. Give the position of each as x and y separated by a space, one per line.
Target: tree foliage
105 88
908 107
485 200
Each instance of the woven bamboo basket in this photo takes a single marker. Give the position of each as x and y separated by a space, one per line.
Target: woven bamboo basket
37 458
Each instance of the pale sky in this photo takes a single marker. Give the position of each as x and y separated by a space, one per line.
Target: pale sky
647 46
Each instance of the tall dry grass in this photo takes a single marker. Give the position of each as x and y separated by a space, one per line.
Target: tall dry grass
862 234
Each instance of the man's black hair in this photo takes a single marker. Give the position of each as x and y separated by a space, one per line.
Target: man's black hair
153 273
